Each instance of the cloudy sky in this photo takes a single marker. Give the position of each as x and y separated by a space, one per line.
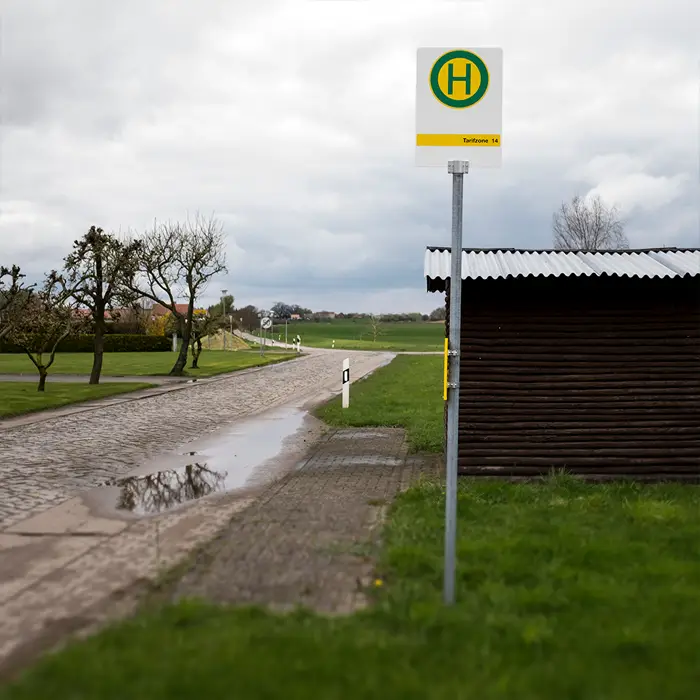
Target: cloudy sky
293 122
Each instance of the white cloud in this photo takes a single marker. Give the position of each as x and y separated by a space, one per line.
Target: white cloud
293 121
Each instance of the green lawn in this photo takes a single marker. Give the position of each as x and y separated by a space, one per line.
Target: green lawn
565 591
136 364
407 393
17 398
356 334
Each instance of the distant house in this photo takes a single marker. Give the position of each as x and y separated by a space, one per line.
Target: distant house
325 315
158 310
295 317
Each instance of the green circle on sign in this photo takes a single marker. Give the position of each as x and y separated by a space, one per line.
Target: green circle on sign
446 99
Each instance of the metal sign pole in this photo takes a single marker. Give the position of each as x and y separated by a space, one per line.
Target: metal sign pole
261 338
457 168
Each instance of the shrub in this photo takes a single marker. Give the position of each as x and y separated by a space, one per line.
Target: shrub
116 342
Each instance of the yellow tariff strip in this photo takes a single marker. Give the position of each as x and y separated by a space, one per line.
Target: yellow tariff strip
493 140
444 388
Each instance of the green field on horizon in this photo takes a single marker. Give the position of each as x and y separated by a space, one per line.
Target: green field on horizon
356 334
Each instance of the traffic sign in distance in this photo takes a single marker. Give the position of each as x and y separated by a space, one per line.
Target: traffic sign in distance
459 96
267 323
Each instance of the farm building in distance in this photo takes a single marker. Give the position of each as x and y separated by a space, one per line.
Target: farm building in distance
583 361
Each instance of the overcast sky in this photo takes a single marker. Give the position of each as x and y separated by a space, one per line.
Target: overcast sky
293 122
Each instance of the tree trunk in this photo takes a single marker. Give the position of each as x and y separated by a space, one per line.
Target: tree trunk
42 379
196 352
98 351
179 366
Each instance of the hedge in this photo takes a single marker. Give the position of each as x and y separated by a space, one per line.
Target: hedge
113 343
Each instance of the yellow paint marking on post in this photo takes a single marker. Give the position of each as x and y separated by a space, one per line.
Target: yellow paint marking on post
444 388
492 140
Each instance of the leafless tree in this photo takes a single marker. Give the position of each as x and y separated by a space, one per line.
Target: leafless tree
14 295
588 224
178 260
97 274
46 319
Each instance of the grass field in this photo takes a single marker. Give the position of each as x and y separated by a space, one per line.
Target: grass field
406 394
128 364
17 398
565 590
356 334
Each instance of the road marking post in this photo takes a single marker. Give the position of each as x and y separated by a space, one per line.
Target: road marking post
346 382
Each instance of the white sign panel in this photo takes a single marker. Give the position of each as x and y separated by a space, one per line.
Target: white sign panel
267 323
459 106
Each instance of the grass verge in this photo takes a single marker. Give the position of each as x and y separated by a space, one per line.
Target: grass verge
407 393
17 398
357 334
565 590
135 364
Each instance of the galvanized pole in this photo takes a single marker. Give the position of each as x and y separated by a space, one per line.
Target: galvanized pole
457 168
286 344
262 351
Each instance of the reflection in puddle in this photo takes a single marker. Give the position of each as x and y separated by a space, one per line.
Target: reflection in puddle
232 459
154 493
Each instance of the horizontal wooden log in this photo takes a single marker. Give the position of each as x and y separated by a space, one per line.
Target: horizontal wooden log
691 461
639 392
629 343
531 441
562 453
576 331
628 417
486 377
519 354
554 366
562 427
471 404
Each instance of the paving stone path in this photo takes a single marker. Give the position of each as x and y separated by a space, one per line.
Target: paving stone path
45 463
309 539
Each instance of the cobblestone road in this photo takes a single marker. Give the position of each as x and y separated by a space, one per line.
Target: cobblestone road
44 463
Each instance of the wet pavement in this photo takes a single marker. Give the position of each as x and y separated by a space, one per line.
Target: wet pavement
44 462
233 459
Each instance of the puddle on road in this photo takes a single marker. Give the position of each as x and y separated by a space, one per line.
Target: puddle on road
220 463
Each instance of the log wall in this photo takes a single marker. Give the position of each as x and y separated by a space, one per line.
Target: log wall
600 377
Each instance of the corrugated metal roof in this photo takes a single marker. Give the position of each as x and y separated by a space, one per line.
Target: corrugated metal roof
502 263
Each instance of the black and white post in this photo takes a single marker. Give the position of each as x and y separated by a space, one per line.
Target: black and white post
457 168
346 382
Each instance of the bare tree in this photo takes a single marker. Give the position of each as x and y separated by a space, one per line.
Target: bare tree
46 319
14 295
375 325
588 224
178 260
97 274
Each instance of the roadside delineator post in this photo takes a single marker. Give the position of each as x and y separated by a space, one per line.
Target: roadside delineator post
346 382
